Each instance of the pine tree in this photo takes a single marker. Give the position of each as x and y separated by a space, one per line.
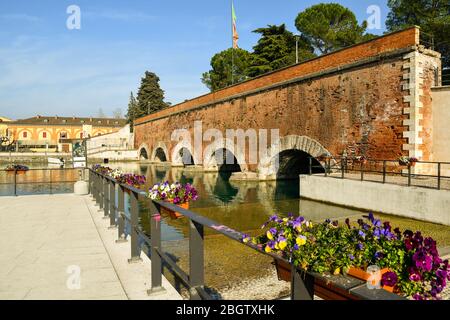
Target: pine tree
277 49
132 108
150 97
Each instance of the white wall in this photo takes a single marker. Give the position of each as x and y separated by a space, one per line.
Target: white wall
122 139
412 202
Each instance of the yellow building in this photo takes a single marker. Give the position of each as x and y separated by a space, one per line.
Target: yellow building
4 138
57 133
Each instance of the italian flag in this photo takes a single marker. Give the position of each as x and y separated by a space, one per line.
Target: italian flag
235 34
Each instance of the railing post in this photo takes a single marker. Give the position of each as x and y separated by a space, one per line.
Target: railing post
134 221
91 192
15 182
120 212
112 205
327 165
409 175
302 285
196 258
342 168
362 170
384 171
106 184
51 189
101 184
310 165
155 246
439 176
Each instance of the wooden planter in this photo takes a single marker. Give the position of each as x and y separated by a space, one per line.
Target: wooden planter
363 275
283 270
175 214
284 273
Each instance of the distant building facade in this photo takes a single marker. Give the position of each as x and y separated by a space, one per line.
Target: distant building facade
57 133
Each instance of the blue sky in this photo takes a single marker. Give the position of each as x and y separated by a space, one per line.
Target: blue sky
48 69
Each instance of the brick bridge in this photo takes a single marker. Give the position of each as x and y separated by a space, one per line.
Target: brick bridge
372 99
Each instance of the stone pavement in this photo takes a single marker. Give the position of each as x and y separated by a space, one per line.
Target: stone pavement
47 240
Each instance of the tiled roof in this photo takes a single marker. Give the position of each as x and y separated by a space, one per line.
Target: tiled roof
71 121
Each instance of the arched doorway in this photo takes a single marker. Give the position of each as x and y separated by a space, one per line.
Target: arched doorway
226 163
292 163
143 155
160 155
186 157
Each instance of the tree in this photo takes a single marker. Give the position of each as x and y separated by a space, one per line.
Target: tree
433 17
100 113
117 113
277 49
220 75
132 109
330 26
150 98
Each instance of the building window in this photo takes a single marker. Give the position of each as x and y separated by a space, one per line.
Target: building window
25 134
63 135
44 135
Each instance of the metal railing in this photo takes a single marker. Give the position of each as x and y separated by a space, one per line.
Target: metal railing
304 285
43 180
424 174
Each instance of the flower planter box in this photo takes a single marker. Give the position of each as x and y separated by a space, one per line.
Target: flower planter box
284 273
283 270
363 275
175 214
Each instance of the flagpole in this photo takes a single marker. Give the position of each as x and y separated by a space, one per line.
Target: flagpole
232 45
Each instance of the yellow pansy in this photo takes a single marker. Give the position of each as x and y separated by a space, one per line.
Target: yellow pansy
267 249
337 271
282 245
301 240
269 235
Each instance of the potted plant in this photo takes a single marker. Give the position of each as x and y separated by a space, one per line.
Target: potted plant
407 161
413 161
175 193
409 264
16 168
131 179
360 159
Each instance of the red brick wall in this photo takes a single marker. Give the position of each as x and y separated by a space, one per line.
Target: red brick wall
392 42
360 109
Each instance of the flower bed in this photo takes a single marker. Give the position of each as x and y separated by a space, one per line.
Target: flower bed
414 266
175 193
131 179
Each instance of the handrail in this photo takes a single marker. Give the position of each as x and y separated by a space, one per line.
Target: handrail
303 283
384 168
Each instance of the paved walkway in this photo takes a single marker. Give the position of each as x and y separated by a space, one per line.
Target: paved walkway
47 240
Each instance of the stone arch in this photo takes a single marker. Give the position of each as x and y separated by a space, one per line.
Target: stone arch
290 146
143 152
183 148
160 153
21 132
210 162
